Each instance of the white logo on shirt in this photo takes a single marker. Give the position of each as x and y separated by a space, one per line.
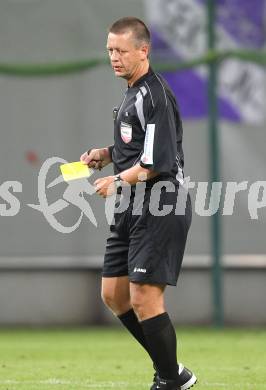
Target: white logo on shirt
147 157
126 132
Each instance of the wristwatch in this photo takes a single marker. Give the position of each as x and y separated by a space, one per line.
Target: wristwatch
118 181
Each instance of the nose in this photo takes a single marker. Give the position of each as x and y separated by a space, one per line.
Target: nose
114 55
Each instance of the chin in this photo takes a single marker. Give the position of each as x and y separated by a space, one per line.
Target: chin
121 74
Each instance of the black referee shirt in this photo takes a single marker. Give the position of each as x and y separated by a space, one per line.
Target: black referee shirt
148 129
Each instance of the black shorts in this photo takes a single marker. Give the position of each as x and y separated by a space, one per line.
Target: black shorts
148 248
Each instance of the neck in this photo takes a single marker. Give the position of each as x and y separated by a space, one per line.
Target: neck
139 73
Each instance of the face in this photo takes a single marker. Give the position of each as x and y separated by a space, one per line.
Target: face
127 59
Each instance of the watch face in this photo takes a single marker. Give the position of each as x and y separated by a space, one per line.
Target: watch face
117 182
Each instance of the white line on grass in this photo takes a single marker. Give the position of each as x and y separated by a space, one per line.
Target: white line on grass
59 382
248 386
115 385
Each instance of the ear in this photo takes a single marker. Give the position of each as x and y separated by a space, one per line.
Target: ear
144 51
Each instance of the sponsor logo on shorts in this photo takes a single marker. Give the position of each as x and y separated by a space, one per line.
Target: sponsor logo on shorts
143 270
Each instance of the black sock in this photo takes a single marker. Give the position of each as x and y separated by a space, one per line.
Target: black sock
161 341
131 322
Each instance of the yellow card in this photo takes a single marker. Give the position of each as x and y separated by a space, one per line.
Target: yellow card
75 170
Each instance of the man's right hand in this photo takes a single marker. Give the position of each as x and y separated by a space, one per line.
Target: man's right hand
96 158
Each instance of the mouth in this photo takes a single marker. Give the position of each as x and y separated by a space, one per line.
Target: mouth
117 68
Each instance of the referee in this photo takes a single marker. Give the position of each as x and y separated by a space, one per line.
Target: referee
144 251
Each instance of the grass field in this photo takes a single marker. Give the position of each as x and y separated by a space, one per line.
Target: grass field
106 359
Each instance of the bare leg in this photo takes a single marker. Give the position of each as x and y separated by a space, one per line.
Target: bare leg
115 294
147 300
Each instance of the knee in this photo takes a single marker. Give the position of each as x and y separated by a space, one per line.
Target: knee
107 298
147 301
138 303
116 303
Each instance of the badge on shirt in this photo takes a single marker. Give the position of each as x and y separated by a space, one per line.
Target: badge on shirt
126 132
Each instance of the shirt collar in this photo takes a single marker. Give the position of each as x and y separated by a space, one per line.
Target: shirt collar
142 78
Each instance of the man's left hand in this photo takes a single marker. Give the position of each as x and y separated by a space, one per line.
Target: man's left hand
105 186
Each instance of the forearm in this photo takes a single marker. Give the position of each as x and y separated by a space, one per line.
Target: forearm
137 173
110 151
105 185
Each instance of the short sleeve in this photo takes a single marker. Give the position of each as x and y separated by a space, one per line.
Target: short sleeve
110 149
160 145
